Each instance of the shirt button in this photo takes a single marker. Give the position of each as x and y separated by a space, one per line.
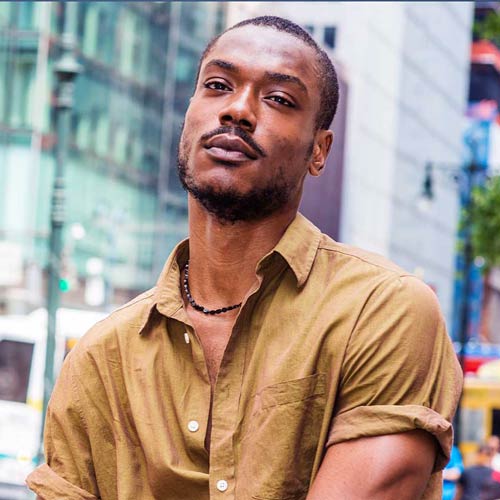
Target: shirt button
222 485
193 425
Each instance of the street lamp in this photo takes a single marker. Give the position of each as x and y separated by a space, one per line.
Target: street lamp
468 176
426 197
66 69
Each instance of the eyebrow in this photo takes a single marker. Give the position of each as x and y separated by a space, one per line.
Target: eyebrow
282 77
270 75
220 63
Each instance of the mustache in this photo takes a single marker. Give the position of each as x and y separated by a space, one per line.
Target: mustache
239 132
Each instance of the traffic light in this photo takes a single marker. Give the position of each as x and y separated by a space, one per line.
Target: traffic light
68 279
64 285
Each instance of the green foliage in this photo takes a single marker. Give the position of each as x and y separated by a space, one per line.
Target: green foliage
486 222
489 28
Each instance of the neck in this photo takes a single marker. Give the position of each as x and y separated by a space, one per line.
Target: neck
223 256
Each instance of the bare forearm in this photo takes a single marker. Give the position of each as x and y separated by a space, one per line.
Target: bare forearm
378 468
402 488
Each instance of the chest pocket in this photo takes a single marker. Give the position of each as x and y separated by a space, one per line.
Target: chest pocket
281 439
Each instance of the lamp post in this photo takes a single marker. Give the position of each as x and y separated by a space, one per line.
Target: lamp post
66 69
466 174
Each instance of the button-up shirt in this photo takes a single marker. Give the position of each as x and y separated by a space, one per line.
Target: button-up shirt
333 344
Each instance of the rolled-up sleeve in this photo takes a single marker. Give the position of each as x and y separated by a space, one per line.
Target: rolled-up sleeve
69 471
400 371
47 484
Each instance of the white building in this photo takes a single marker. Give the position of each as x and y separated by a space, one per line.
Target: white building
407 71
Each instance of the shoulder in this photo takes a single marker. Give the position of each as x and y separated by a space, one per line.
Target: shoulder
356 257
95 367
118 329
389 307
370 278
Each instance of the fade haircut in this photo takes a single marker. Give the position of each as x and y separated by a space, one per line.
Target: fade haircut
328 82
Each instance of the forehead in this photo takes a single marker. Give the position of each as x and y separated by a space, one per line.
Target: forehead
267 49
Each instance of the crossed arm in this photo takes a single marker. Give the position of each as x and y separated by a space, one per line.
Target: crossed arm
376 468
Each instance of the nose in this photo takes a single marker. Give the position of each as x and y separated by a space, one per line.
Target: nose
239 110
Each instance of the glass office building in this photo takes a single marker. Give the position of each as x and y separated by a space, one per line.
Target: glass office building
125 209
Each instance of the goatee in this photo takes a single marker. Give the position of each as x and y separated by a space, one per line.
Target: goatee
230 206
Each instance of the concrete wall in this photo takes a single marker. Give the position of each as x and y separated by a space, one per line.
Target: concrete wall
406 65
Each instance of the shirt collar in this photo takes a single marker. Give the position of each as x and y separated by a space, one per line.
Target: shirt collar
168 299
297 246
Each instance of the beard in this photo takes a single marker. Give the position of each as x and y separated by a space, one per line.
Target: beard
229 205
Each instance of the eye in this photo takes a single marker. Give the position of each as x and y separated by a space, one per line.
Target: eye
216 85
281 100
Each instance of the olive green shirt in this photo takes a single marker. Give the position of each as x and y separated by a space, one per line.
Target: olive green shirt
333 344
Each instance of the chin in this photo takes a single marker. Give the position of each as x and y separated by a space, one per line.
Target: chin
220 177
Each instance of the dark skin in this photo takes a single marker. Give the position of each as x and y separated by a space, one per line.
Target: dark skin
237 89
241 84
238 85
280 116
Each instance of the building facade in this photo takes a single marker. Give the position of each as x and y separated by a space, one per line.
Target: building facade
406 68
125 208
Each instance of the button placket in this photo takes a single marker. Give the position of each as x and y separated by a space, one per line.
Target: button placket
225 407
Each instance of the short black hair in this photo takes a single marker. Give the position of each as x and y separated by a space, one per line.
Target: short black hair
329 85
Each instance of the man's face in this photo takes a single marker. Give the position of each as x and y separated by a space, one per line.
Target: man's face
249 131
494 443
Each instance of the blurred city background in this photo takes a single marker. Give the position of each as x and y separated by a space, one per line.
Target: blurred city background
413 174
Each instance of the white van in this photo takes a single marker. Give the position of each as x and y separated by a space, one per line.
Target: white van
22 365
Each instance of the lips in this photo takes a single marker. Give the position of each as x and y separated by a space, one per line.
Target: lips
229 148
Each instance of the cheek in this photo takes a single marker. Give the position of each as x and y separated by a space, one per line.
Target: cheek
189 132
292 155
293 149
197 121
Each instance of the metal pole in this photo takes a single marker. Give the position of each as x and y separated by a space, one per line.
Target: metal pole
167 129
470 171
66 70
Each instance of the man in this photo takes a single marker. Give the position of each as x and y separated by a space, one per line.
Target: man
478 482
494 443
269 362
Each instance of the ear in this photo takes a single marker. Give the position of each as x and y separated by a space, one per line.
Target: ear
322 145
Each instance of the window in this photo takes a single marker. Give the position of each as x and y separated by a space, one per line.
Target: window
472 424
125 42
104 36
22 76
329 36
495 428
91 30
5 8
15 366
120 145
102 134
83 132
25 15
